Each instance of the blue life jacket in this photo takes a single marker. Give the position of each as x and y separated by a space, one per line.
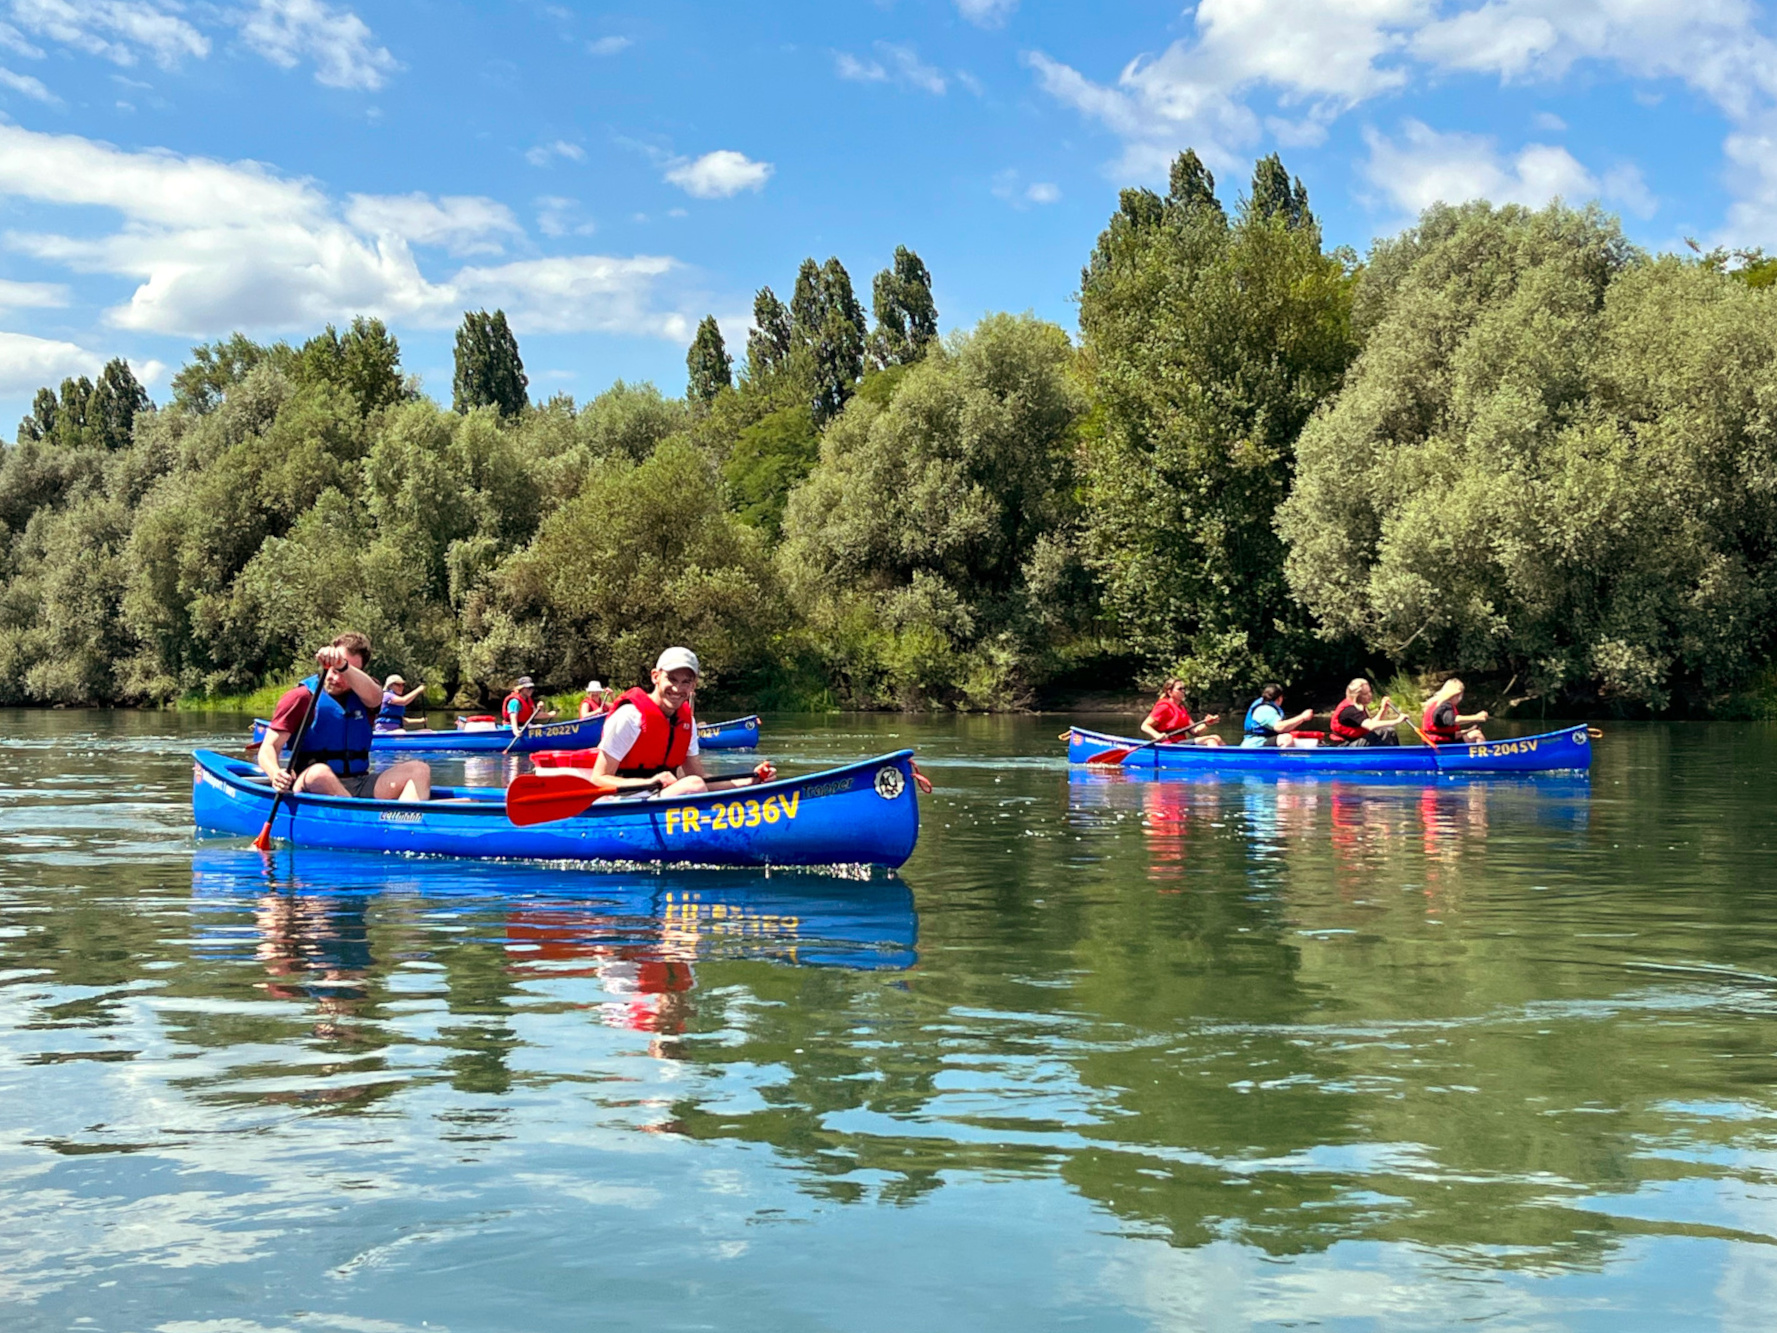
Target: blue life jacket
1258 729
392 715
338 734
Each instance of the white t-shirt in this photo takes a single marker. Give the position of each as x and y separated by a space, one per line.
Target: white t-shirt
623 728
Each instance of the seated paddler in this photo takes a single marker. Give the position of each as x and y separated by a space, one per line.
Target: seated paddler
396 698
332 756
520 707
1352 724
1445 723
1169 719
652 733
1265 722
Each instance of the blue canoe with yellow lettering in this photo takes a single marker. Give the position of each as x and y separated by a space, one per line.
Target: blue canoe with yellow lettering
862 814
1553 751
739 733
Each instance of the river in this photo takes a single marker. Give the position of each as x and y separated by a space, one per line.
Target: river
1108 1053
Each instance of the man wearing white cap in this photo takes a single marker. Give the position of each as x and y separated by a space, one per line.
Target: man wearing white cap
653 733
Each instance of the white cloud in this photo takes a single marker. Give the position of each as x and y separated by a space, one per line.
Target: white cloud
719 175
557 216
986 13
30 87
899 64
1425 167
120 31
462 224
1248 62
1548 120
32 295
27 362
1008 186
608 46
210 246
344 49
543 154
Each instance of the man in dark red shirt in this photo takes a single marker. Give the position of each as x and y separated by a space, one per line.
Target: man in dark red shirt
333 752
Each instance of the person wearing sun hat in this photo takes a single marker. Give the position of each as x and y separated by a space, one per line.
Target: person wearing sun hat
596 701
653 733
392 716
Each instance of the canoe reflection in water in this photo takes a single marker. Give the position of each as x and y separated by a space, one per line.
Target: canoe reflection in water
316 920
1358 817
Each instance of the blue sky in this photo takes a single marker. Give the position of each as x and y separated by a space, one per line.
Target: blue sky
171 171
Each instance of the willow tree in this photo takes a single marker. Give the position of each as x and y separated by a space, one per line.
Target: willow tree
1209 342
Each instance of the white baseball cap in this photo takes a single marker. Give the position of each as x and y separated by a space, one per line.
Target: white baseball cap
673 659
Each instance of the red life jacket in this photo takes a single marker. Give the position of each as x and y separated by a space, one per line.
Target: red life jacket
664 740
1433 732
1168 716
525 708
1339 730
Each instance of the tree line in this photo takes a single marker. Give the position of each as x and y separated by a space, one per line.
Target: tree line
1506 442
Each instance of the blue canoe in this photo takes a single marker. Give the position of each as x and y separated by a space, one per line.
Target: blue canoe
551 913
1554 751
741 733
862 814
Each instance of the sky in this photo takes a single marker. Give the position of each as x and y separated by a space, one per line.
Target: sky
172 171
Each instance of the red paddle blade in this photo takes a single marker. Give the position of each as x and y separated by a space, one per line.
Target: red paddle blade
538 798
1110 756
263 842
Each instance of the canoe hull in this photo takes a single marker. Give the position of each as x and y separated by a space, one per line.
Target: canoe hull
741 733
1556 751
863 814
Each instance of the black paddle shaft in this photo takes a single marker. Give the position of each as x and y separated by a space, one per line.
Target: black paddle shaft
295 751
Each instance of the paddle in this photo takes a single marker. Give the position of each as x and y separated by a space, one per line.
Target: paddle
1117 756
263 841
539 798
523 727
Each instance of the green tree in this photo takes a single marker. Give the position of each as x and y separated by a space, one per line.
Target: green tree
1208 345
827 319
931 545
113 405
41 424
489 371
906 316
204 381
1193 186
645 555
708 363
1274 195
1576 448
365 362
766 462
770 339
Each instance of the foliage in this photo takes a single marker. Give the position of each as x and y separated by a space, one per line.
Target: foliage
827 320
102 414
929 545
1576 455
708 363
1208 344
767 461
644 556
906 316
489 371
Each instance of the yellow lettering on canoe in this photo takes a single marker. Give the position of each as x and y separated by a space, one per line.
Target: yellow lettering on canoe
693 822
673 815
789 803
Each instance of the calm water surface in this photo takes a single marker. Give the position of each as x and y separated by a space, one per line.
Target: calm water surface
1115 1054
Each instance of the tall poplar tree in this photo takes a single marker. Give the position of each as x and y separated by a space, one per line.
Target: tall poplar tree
708 363
489 370
906 315
769 342
113 405
826 318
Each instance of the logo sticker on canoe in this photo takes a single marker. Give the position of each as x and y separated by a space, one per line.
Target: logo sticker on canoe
889 783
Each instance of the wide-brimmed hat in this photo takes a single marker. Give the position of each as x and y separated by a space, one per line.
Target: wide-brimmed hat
675 659
393 681
593 687
525 683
